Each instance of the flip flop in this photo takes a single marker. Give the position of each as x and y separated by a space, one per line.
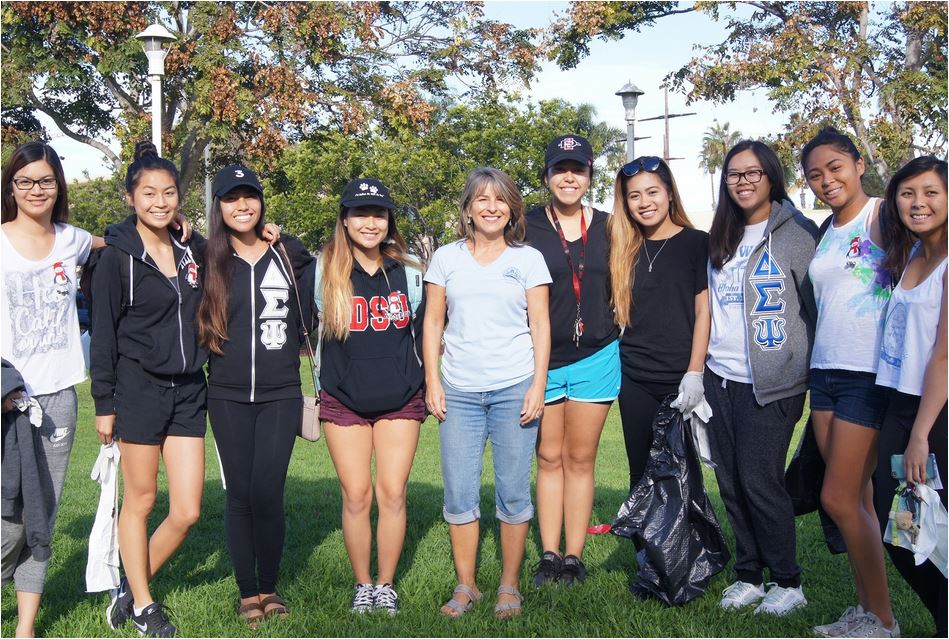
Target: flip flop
460 608
512 608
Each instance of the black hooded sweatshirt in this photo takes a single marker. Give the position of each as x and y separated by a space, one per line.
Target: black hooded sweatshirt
378 369
261 360
151 323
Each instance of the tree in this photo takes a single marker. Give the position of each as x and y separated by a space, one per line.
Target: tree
426 169
877 71
246 78
716 141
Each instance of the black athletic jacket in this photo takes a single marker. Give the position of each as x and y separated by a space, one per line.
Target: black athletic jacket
261 360
151 323
377 370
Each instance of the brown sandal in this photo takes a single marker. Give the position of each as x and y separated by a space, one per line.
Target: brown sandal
281 609
252 620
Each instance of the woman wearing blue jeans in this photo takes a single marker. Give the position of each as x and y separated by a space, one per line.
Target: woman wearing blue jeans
493 375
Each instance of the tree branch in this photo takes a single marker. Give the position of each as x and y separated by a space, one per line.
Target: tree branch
79 137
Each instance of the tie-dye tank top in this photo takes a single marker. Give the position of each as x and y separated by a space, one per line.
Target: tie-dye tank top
851 289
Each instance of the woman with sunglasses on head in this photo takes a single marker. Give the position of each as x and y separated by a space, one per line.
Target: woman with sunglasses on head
913 356
41 340
493 374
249 320
583 378
851 288
763 318
659 289
372 400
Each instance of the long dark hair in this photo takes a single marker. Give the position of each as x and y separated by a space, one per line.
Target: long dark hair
147 159
728 225
211 318
898 239
27 154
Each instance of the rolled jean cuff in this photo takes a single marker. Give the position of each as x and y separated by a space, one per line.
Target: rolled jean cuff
524 516
460 519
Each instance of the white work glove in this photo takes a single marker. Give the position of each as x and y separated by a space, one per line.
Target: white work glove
691 392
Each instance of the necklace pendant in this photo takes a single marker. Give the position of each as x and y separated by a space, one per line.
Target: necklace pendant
650 268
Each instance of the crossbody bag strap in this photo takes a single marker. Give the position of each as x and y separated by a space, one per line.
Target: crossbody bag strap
314 360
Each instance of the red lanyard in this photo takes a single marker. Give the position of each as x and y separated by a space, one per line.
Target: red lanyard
576 273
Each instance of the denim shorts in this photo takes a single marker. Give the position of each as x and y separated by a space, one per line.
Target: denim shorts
594 378
852 396
471 420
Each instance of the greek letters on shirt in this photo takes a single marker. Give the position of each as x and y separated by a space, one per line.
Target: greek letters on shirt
380 312
276 293
730 290
767 278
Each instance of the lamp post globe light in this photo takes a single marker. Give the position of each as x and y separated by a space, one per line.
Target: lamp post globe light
630 95
154 40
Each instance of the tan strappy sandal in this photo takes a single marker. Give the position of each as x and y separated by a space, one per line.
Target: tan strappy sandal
457 607
511 608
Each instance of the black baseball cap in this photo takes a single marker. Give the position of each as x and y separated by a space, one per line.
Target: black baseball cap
568 147
233 176
366 192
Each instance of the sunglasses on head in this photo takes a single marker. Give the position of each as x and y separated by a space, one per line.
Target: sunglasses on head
647 163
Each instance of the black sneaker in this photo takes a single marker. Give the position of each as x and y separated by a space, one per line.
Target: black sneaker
573 571
153 622
120 608
548 568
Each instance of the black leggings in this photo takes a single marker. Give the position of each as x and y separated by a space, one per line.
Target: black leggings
926 580
255 442
638 403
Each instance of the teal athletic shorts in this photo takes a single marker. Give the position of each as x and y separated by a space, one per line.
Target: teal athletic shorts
595 378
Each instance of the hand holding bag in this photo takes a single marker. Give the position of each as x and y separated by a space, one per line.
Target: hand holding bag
310 422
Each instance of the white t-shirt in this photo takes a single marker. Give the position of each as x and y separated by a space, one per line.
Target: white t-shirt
487 339
40 327
728 342
851 289
909 333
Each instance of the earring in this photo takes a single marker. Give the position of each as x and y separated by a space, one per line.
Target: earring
470 220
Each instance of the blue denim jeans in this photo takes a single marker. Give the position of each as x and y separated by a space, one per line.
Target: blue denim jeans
471 420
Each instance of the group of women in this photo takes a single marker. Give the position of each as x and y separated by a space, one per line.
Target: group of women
530 326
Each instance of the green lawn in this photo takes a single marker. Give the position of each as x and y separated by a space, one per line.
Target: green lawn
198 587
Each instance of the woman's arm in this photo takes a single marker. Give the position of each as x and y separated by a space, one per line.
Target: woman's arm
434 326
538 316
700 332
933 399
103 351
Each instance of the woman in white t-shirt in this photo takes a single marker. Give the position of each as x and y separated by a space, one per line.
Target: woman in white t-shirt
913 356
757 368
851 289
493 375
40 329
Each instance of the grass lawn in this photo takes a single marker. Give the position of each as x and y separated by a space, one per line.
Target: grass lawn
198 585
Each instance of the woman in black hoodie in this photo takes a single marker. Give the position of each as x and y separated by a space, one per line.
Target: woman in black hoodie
249 320
371 377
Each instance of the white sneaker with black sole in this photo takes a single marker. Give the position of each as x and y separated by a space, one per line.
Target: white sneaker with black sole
385 598
780 601
153 622
120 607
364 598
840 627
741 594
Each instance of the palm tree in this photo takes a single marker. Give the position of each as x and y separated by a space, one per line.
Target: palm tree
716 141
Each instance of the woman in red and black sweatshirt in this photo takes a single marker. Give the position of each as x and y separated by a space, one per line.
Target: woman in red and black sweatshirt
372 401
249 320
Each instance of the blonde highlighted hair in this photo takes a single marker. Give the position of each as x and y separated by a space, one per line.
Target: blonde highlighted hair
336 260
476 184
626 237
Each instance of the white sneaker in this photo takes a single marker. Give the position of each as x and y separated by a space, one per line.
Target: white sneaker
385 598
780 601
363 598
869 625
840 627
741 593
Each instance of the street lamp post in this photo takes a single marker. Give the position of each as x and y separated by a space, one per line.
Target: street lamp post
630 95
154 39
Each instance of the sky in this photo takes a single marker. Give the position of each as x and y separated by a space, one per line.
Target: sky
643 58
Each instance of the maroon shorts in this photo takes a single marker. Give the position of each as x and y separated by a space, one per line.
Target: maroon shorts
332 410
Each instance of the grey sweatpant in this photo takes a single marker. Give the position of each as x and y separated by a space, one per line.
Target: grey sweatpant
749 445
58 431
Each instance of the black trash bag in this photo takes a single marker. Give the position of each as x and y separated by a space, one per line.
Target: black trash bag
803 480
669 518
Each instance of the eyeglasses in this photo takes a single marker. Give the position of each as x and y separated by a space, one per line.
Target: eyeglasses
26 184
752 177
646 163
